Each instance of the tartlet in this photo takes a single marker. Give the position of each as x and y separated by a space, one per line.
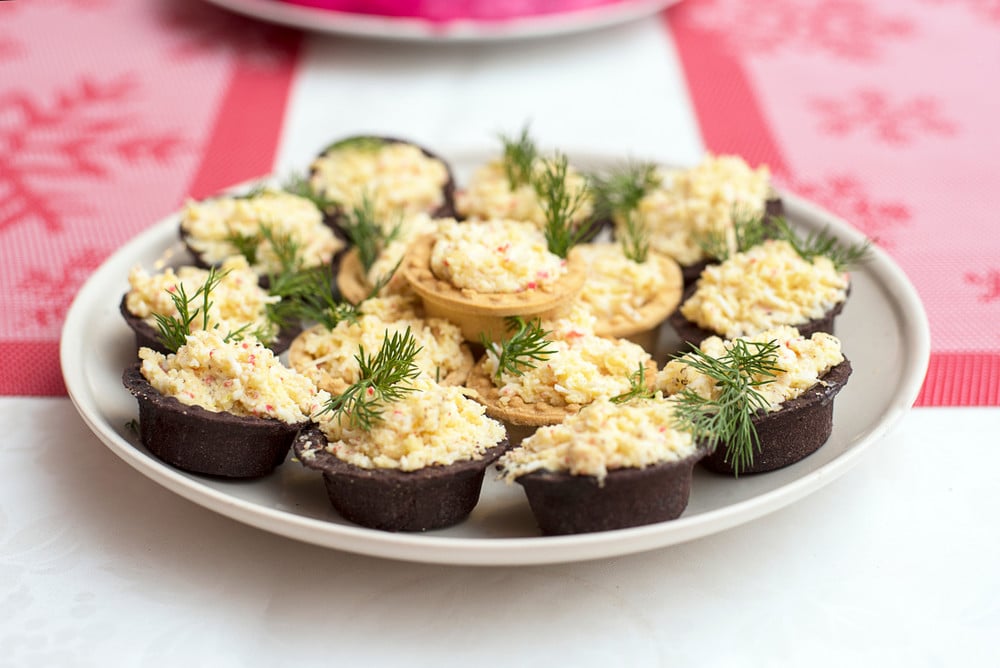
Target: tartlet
419 469
220 227
238 302
238 434
327 357
607 467
480 306
629 299
766 286
798 418
398 176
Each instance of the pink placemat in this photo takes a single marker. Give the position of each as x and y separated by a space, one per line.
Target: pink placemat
98 143
883 113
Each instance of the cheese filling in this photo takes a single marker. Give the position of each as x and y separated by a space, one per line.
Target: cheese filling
240 377
583 368
802 363
237 301
489 195
431 426
330 354
617 286
692 203
398 177
766 286
210 227
497 256
600 438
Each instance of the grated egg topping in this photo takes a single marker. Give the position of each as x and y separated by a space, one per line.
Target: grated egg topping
617 286
398 177
489 195
802 362
240 377
584 368
496 256
211 223
691 203
332 352
432 425
763 287
236 301
600 438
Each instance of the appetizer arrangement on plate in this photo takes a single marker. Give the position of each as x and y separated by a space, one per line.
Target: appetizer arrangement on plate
435 332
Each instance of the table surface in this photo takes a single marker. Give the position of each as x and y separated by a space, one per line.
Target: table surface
893 563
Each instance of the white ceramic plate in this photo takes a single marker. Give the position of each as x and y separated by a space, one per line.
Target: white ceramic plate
884 332
469 30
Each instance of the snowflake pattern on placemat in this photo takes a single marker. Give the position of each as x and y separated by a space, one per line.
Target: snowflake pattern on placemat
849 29
84 133
51 289
988 283
873 113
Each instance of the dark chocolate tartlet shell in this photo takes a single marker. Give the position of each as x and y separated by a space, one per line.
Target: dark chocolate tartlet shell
200 441
433 497
146 335
563 503
794 432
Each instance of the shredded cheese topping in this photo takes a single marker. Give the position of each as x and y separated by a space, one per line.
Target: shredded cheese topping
691 203
766 286
600 438
489 195
240 377
396 176
209 226
617 286
802 362
237 301
332 352
432 425
584 367
496 256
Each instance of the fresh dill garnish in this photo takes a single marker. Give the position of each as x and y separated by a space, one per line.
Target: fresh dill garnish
245 245
638 387
173 330
383 379
299 184
749 229
519 155
286 249
133 426
525 346
254 191
311 295
729 417
619 191
823 243
634 237
559 204
362 227
365 143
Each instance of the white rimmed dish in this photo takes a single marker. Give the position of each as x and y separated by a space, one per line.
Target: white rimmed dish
883 328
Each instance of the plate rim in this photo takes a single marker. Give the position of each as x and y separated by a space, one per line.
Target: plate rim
507 551
415 29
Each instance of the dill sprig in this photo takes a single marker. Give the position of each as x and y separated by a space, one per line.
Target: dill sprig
634 238
729 418
311 295
519 155
362 227
749 229
525 346
364 143
173 330
299 184
638 387
245 245
559 204
383 379
823 243
619 191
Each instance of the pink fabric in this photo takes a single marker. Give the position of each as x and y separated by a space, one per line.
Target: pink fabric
97 143
885 114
